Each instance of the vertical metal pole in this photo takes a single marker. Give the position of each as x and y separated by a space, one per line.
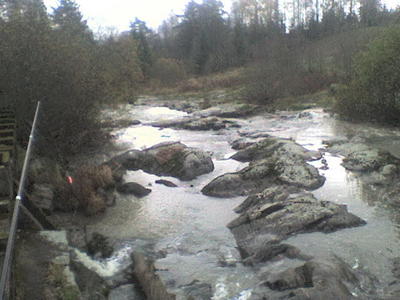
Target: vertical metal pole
13 227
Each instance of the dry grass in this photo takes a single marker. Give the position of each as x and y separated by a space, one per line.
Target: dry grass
231 79
87 181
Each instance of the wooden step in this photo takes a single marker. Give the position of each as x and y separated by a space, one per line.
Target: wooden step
7 121
4 226
6 132
5 157
7 140
4 205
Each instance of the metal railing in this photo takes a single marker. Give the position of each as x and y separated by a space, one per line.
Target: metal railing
5 274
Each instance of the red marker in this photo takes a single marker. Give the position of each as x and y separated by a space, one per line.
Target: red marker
70 180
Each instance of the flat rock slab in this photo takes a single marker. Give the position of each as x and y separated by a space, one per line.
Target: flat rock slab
278 216
168 159
298 214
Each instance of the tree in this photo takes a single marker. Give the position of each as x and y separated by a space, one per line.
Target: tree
369 12
140 33
374 92
203 37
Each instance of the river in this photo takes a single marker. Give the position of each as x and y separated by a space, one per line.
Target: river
189 228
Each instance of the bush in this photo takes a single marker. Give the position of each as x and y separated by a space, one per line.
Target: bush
168 71
374 91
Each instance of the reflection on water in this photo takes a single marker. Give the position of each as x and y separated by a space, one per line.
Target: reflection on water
191 227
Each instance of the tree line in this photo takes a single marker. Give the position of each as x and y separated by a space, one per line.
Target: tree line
289 47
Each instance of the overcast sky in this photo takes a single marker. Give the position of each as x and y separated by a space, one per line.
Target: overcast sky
120 13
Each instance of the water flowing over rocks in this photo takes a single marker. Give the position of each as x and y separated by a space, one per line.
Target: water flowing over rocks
168 159
274 161
329 279
197 123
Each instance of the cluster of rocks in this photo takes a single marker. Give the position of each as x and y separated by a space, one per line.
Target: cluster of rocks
92 188
168 159
278 206
378 168
197 123
213 118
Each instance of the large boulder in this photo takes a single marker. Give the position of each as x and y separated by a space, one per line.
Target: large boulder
273 161
265 221
169 159
329 279
278 147
262 174
293 215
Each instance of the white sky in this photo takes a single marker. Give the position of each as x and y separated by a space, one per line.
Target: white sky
120 13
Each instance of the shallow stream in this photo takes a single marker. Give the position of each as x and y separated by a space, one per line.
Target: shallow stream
190 228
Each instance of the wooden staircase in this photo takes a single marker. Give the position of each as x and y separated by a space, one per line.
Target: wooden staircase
7 169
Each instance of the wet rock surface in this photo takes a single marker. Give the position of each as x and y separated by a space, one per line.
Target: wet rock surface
133 188
274 161
328 279
168 159
197 123
125 292
277 216
166 183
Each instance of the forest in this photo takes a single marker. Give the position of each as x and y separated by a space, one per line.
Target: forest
267 49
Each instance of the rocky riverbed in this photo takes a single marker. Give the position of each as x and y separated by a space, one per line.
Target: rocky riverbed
229 202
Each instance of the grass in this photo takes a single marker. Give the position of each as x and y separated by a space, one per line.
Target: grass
322 99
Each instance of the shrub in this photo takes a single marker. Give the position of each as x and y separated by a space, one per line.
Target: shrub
88 180
168 71
374 91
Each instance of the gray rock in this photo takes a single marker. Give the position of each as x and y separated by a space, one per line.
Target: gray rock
126 292
99 246
197 123
135 122
275 147
166 183
133 188
168 159
197 290
299 214
328 280
241 144
273 161
272 216
368 160
91 284
262 174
